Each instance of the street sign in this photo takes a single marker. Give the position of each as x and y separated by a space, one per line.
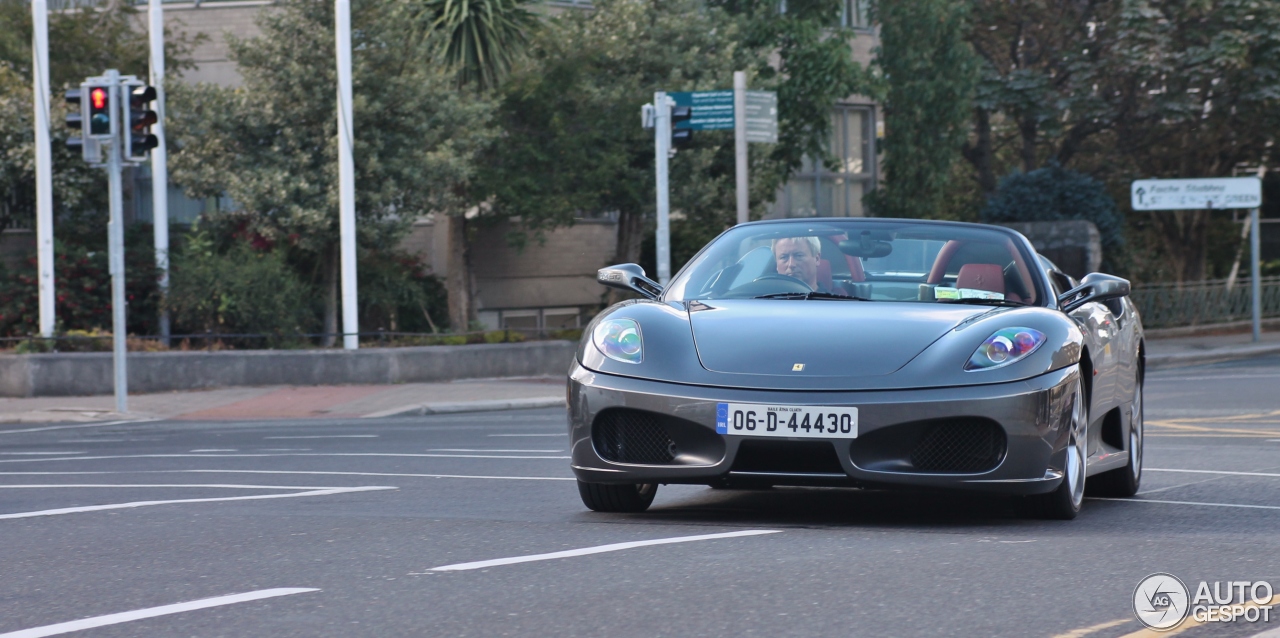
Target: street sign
712 110
761 112
1196 194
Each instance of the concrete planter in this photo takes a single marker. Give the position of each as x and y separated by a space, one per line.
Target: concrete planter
86 373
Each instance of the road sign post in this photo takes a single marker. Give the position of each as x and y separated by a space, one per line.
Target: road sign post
740 144
661 157
1210 193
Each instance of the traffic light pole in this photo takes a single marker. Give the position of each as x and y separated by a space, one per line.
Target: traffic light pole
44 167
740 145
159 165
115 241
346 180
662 156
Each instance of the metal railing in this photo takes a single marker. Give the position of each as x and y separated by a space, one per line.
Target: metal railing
1198 303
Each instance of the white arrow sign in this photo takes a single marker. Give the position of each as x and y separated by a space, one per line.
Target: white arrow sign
1196 194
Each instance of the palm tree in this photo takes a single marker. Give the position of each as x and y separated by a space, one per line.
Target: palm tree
481 39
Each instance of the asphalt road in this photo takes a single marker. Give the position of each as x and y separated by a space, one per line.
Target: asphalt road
339 528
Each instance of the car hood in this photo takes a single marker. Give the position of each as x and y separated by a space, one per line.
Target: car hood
818 338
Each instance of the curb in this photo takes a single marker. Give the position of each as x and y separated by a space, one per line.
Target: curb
424 409
1160 361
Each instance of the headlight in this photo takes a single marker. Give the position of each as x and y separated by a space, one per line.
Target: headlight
619 339
1005 347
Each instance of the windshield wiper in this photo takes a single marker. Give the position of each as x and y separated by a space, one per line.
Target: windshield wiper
984 302
810 295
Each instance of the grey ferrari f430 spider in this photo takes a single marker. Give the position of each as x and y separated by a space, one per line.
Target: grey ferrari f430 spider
870 353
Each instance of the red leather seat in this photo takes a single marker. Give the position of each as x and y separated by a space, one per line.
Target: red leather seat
988 277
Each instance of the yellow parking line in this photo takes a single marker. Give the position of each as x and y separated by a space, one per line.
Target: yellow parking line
1085 631
1188 624
1234 417
1199 428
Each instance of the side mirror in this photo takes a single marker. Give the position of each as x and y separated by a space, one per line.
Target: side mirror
629 277
1095 286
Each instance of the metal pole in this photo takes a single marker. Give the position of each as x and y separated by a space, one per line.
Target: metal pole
346 180
44 166
661 156
740 142
115 243
1255 274
160 166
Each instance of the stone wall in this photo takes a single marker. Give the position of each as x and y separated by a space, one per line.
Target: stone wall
1074 245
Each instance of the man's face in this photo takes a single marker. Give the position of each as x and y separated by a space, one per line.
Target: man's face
795 257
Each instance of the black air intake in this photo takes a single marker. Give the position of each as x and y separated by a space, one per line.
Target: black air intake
960 446
631 436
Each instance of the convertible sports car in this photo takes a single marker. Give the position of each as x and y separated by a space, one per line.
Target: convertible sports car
862 352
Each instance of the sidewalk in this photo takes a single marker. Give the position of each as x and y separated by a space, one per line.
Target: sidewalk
374 401
286 402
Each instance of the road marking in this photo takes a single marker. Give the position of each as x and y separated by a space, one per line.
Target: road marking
1093 629
528 435
1215 378
116 506
457 476
216 450
249 456
78 426
224 486
1154 469
327 436
38 453
1151 500
465 450
599 549
152 612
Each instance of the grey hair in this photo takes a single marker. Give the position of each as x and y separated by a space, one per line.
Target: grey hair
815 246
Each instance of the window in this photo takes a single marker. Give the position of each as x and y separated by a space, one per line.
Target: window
817 191
855 14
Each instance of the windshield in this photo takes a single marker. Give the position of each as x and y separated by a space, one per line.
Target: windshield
861 259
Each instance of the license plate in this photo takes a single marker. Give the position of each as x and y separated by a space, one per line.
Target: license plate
814 422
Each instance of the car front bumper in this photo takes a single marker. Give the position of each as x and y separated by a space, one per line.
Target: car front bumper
1032 416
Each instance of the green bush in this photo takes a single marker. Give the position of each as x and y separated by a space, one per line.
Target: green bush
1054 193
239 291
398 295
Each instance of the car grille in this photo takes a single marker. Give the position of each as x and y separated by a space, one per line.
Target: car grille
962 446
787 457
630 436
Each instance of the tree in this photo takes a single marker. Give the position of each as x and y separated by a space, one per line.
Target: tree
573 144
930 73
271 146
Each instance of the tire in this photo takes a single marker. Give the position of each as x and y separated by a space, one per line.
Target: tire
1063 503
1124 482
603 497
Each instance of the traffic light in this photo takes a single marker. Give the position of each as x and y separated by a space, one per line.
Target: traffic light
99 110
680 135
137 136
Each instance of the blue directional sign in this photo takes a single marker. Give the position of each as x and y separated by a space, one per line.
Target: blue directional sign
712 110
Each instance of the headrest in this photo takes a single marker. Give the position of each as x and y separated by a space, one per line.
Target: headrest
989 277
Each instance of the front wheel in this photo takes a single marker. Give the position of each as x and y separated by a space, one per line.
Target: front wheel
1064 502
627 497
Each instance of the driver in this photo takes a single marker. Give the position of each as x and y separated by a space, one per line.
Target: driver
798 257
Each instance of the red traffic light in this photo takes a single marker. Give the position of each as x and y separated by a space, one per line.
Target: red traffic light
98 98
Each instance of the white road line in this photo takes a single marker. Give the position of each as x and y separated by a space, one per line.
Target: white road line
38 453
116 506
215 450
327 436
152 612
600 549
466 450
456 476
78 426
1151 500
224 486
1215 378
251 456
528 435
1154 469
